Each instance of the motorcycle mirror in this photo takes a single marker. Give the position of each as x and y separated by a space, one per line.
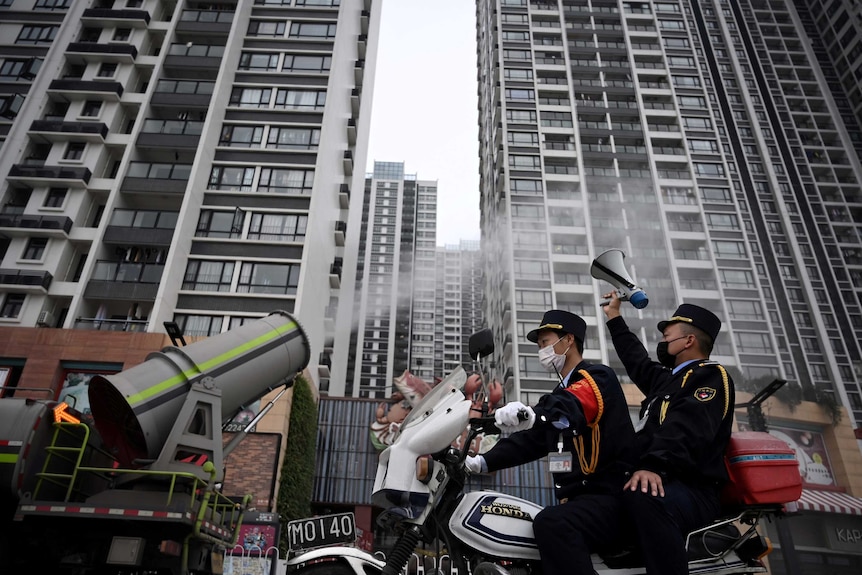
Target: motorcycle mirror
481 344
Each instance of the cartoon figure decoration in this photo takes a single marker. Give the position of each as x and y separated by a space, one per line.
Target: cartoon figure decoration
410 389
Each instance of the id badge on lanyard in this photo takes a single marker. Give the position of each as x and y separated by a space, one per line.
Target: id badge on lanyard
560 462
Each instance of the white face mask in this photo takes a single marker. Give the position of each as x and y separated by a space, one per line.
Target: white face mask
551 360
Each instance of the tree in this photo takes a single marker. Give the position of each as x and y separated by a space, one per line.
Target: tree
297 471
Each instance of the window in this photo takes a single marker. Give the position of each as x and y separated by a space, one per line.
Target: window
268 278
122 34
91 109
521 116
519 74
524 162
672 43
692 102
36 34
736 279
231 178
55 198
293 138
697 123
753 342
728 249
709 170
745 309
107 70
526 187
217 224
250 97
519 95
528 139
312 30
516 36
703 146
241 136
266 28
716 195
258 61
286 181
686 81
532 300
12 305
35 249
75 151
199 325
300 63
300 99
278 227
722 221
49 4
208 276
11 69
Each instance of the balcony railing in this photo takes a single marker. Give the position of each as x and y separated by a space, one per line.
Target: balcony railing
128 272
49 172
31 221
62 127
91 323
25 278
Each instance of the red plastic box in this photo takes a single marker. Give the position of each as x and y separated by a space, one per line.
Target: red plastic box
763 470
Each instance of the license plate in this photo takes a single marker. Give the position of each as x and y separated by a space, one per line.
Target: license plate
321 531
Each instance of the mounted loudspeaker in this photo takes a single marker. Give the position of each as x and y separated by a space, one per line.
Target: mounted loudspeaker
610 266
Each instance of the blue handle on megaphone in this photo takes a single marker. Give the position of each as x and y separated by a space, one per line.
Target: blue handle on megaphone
639 299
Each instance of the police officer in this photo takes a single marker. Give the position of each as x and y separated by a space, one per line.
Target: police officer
683 432
584 427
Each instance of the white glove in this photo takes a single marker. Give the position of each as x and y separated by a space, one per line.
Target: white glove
515 416
476 464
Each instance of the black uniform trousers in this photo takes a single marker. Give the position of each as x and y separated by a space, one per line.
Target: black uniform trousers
662 523
567 533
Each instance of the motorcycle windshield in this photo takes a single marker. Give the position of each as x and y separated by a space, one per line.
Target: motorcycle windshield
440 393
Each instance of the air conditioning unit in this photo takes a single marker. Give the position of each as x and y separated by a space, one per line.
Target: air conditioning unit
46 319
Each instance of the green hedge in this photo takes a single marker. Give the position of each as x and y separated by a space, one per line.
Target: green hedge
297 472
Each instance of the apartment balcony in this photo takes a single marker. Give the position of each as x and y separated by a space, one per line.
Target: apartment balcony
121 18
183 93
351 131
40 175
324 364
25 280
340 232
355 97
128 281
98 52
155 178
98 324
71 86
359 72
335 273
170 134
362 45
364 18
194 61
344 196
348 163
22 225
126 235
60 131
205 21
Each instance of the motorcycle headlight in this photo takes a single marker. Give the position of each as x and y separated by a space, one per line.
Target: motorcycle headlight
424 468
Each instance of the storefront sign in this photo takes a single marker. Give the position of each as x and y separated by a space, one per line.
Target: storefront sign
845 534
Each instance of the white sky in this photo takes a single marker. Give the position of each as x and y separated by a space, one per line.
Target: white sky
424 105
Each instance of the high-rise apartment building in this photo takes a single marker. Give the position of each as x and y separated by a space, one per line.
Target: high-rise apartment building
394 256
184 161
416 303
716 143
458 309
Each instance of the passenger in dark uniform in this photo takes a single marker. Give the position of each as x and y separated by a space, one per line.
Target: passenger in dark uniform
683 432
584 427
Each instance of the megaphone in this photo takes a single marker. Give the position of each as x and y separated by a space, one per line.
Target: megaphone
610 266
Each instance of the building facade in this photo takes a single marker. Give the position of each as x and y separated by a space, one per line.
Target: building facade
187 162
718 145
458 305
710 143
393 261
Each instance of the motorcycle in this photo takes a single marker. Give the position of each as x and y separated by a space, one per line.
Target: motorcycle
420 482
